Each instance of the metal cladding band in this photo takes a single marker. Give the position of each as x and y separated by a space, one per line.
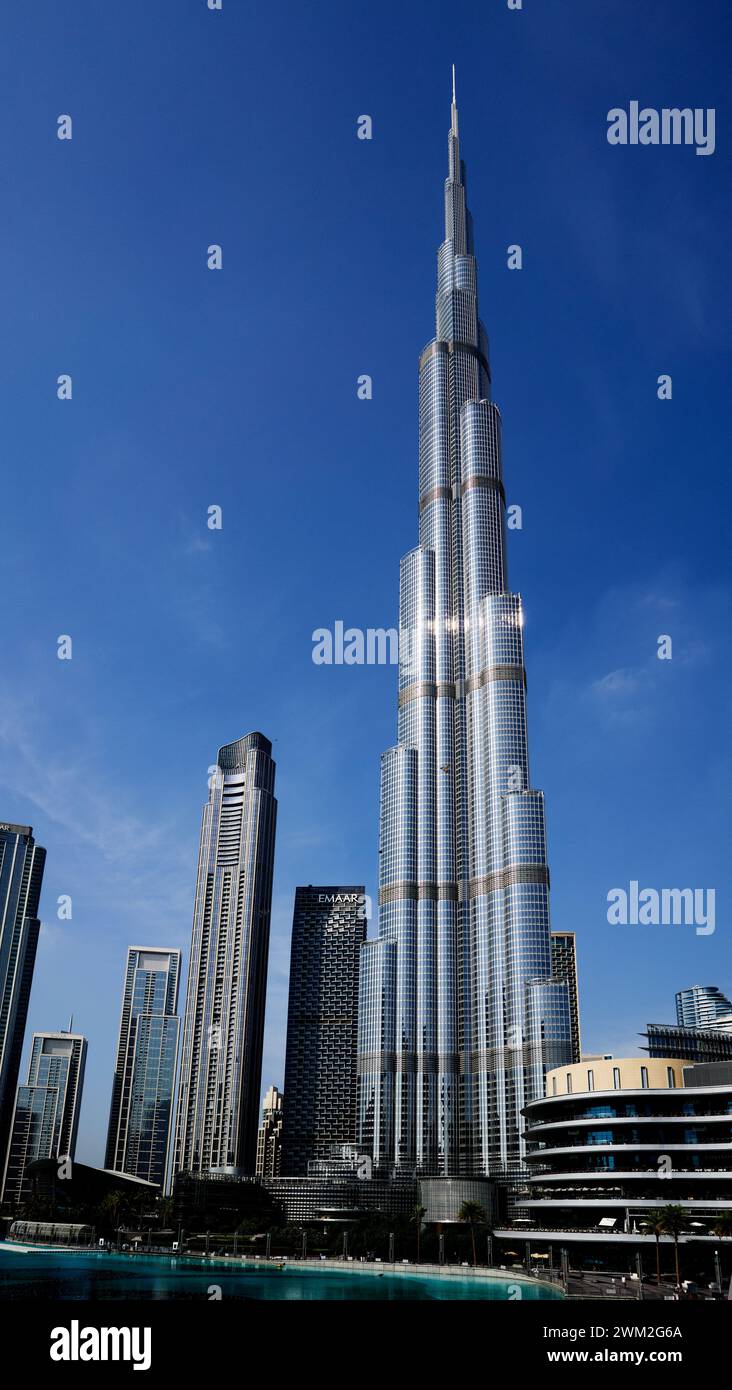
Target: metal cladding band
454 892
451 347
439 494
459 1015
450 691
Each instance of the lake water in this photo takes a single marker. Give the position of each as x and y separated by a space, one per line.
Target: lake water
60 1275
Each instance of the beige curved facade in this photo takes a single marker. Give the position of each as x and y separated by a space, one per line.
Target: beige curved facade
617 1074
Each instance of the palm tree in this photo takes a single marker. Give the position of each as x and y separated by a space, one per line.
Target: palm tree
654 1221
165 1211
473 1215
113 1210
723 1224
674 1222
418 1216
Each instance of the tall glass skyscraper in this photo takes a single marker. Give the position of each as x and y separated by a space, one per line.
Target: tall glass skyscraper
564 967
328 930
221 1062
21 875
144 1075
46 1117
460 1016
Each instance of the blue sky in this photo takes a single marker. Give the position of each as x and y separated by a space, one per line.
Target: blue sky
237 388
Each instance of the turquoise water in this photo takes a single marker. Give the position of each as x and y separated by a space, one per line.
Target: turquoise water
52 1275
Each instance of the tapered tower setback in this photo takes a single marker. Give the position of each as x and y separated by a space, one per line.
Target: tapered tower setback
459 1014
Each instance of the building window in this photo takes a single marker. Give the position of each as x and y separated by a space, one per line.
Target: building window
590 1080
644 1078
616 1078
554 1085
569 1083
671 1078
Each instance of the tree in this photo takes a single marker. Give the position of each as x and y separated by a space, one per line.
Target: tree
674 1222
654 1222
418 1215
113 1211
165 1211
473 1215
723 1224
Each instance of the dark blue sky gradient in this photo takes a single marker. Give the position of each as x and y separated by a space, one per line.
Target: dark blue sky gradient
238 388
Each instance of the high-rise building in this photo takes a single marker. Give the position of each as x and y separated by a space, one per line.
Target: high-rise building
269 1137
700 1005
328 930
46 1116
460 1015
21 875
144 1075
564 967
221 1060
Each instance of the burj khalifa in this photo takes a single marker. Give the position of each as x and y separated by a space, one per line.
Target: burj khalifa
459 1016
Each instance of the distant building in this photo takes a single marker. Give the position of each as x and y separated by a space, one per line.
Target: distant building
144 1074
21 875
220 1201
223 1031
269 1138
79 1194
564 967
721 1024
46 1117
339 1189
712 1044
700 1006
328 929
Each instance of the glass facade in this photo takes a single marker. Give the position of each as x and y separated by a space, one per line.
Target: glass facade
221 1059
701 1005
460 1015
46 1117
635 1149
328 929
564 967
142 1090
21 875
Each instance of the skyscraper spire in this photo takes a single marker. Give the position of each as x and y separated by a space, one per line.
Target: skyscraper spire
453 108
459 1014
